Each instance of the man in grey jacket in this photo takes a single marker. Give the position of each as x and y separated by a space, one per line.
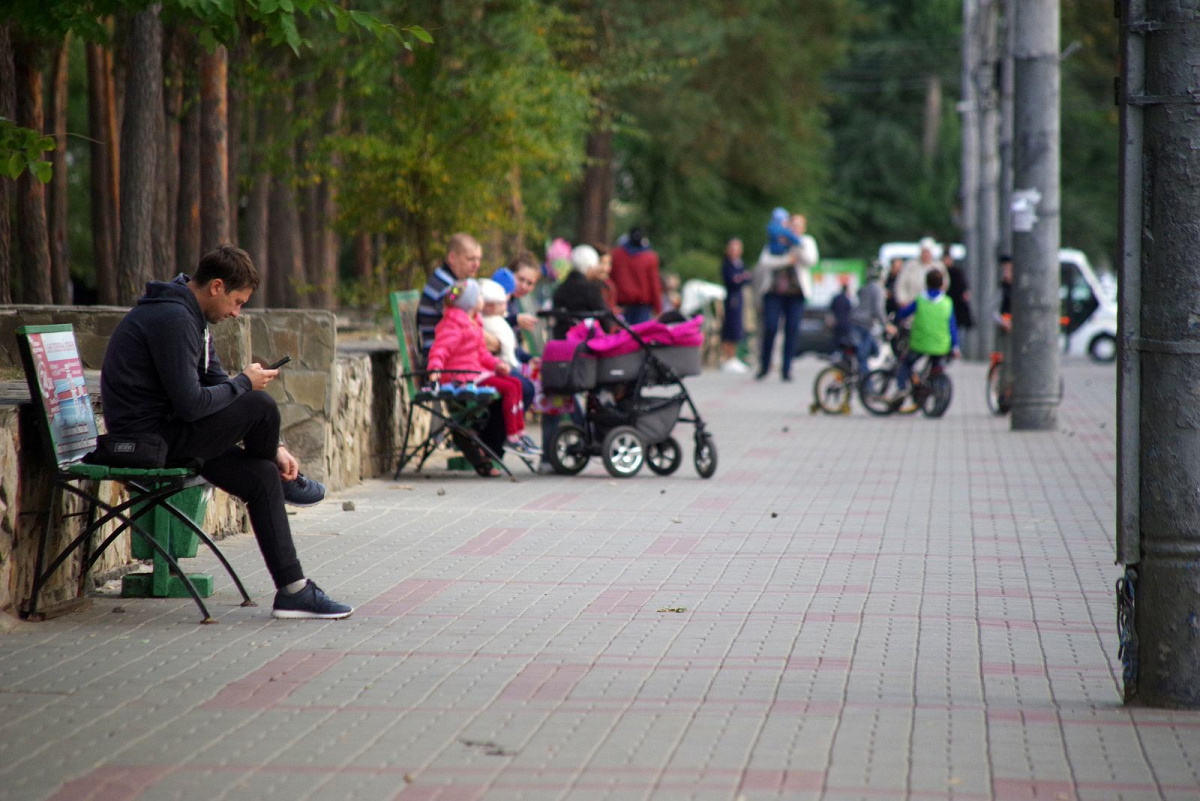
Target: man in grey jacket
161 375
868 312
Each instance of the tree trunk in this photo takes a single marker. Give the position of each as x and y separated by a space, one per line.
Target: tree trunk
286 255
56 206
103 188
8 81
326 275
214 150
364 260
932 119
257 217
139 156
167 210
236 95
33 236
307 191
187 215
596 196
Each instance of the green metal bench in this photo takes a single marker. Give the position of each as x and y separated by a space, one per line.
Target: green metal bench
67 428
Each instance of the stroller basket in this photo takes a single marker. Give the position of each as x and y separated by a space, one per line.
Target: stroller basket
656 417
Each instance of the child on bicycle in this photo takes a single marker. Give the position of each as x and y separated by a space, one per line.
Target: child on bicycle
934 330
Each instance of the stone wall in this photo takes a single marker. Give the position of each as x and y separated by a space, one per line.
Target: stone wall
305 387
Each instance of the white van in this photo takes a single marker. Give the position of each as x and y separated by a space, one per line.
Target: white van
1089 310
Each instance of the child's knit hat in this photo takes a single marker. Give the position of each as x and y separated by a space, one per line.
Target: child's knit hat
505 278
464 294
492 291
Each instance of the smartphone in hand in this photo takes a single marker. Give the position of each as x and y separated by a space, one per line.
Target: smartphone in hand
279 363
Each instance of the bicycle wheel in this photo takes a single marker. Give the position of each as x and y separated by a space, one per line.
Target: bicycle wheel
831 390
993 389
939 390
875 391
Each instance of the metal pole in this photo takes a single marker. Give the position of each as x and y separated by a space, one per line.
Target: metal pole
1035 213
968 108
984 282
1006 127
1160 343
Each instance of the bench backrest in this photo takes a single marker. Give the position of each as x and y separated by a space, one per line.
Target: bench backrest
404 316
57 387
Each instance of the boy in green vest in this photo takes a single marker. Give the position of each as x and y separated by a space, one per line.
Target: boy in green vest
934 329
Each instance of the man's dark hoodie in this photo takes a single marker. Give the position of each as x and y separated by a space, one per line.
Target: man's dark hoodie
161 366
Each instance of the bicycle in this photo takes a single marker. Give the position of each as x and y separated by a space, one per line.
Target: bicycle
835 384
932 388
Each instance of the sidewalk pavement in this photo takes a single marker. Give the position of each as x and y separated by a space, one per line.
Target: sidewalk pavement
853 608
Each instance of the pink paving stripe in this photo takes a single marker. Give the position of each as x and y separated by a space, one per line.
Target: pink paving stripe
551 501
710 504
817 663
544 683
626 601
403 598
741 477
672 546
274 681
1031 790
112 783
1023 716
1009 669
782 780
441 792
843 589
492 541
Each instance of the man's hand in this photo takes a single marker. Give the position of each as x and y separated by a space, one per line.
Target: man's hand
889 329
956 354
491 342
289 468
503 368
259 376
526 322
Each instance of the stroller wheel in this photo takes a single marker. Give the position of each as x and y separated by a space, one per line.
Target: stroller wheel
568 451
664 458
706 456
624 452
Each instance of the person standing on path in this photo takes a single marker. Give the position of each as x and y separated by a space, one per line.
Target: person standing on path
635 274
782 282
161 376
735 275
958 288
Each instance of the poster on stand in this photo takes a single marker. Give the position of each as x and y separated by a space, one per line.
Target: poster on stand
62 390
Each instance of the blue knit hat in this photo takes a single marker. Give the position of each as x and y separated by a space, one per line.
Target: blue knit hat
505 278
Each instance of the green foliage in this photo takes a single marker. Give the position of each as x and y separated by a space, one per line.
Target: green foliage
21 149
700 264
461 135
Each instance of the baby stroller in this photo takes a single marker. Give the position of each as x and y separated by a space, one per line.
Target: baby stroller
631 382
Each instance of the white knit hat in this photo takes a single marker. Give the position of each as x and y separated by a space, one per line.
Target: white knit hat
584 258
492 291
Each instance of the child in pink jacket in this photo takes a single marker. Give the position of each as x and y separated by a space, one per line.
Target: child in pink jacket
458 345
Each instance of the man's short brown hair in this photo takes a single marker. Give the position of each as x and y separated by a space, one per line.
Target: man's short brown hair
460 242
231 264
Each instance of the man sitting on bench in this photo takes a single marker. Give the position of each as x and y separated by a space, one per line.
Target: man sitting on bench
161 376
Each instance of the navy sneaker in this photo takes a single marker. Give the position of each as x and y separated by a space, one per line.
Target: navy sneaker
310 603
303 491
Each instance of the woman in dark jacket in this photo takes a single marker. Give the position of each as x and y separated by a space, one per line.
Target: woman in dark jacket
577 292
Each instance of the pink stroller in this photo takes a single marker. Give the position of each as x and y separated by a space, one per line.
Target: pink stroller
632 383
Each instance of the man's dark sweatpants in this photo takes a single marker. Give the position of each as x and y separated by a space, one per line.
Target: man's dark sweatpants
247 472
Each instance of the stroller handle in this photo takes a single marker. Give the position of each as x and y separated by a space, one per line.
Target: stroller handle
575 315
